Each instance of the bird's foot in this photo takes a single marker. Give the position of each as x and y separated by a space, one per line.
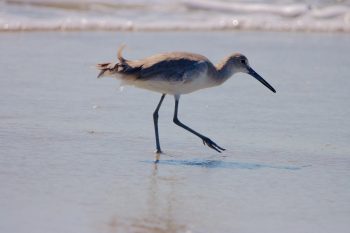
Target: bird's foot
157 157
158 151
211 144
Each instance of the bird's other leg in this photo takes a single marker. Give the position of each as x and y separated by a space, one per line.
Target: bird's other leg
155 120
206 141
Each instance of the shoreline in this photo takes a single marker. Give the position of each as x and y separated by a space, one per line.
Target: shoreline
232 30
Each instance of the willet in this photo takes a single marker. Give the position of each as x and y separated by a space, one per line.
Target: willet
177 73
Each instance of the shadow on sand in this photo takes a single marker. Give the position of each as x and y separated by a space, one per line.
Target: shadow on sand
221 164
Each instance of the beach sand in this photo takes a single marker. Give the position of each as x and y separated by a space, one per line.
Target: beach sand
76 152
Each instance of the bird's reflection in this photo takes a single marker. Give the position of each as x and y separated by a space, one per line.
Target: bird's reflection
159 214
159 217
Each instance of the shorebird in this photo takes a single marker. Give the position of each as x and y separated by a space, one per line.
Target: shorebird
177 73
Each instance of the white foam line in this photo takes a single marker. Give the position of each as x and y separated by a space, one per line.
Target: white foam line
291 10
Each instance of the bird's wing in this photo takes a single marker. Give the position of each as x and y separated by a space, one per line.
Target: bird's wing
179 70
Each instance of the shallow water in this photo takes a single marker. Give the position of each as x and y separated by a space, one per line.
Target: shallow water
76 153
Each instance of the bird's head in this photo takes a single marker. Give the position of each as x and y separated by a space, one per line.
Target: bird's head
239 63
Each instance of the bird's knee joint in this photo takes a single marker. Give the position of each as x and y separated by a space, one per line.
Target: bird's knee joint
176 121
155 115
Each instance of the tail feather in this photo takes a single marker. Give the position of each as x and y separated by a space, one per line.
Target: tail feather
120 54
121 67
106 67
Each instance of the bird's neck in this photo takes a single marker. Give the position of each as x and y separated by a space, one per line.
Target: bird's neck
224 71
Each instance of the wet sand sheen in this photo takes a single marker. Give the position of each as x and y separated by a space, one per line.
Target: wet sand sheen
76 153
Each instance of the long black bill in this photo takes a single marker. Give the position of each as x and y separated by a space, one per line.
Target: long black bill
260 79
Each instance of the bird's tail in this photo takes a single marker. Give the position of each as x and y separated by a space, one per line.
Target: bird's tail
109 68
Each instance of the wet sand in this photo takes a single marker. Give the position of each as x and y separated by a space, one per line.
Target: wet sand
76 153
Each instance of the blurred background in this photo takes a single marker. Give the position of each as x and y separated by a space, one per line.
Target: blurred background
280 15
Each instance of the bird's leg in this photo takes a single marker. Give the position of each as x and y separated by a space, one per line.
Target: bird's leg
155 120
206 141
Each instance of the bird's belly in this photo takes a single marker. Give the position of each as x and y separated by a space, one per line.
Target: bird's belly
174 87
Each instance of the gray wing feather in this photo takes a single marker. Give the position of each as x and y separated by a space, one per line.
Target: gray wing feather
181 70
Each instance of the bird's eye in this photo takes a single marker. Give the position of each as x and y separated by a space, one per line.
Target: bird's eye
243 62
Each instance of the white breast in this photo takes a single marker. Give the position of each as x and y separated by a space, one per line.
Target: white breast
174 87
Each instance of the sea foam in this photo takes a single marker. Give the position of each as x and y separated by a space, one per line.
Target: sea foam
43 15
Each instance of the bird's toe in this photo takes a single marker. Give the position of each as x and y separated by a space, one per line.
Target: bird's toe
211 144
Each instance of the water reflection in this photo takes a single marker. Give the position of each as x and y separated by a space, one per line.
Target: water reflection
159 218
162 200
221 164
161 203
